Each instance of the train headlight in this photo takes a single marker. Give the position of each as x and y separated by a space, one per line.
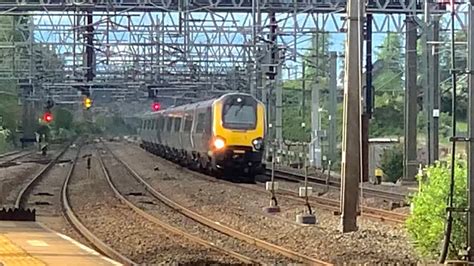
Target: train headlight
219 143
258 143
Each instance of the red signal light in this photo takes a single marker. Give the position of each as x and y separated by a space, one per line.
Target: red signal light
156 106
47 117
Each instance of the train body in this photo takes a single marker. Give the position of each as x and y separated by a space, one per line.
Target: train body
223 135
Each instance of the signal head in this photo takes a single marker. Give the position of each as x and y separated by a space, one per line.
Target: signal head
87 102
48 117
156 106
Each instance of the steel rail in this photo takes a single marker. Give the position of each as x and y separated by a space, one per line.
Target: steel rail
16 157
80 228
329 204
285 175
219 227
334 205
20 200
9 154
155 220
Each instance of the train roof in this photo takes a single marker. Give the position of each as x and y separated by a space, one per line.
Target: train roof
183 108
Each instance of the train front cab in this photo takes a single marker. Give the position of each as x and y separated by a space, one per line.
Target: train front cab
238 132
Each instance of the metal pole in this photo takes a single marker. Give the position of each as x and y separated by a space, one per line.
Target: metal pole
253 83
315 145
332 108
90 53
367 112
427 88
411 93
449 218
470 68
351 152
303 87
315 141
435 97
278 106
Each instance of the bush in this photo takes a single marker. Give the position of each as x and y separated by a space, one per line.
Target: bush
426 223
63 118
392 163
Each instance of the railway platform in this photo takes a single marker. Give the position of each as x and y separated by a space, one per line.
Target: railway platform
31 243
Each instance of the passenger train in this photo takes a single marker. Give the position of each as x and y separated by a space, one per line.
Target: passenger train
223 136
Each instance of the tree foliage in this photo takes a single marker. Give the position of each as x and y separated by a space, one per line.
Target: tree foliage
114 125
426 223
388 84
392 163
62 118
445 74
316 68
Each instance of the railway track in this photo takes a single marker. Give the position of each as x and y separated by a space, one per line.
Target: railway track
8 159
371 192
21 199
80 227
167 226
3 155
21 202
322 202
220 227
333 205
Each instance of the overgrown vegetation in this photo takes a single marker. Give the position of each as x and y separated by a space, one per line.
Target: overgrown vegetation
392 163
114 125
426 223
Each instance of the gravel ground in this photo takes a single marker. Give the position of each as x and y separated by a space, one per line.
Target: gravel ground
127 183
121 228
240 208
50 214
14 177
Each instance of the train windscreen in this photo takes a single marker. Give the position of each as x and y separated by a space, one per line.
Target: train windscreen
240 112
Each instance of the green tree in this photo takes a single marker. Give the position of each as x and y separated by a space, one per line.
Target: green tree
316 67
392 163
63 118
388 84
445 74
426 223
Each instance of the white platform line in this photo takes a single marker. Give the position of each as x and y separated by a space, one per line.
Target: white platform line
81 246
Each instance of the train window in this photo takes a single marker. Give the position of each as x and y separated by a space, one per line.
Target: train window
168 124
200 123
208 120
161 123
153 126
177 124
240 113
188 123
